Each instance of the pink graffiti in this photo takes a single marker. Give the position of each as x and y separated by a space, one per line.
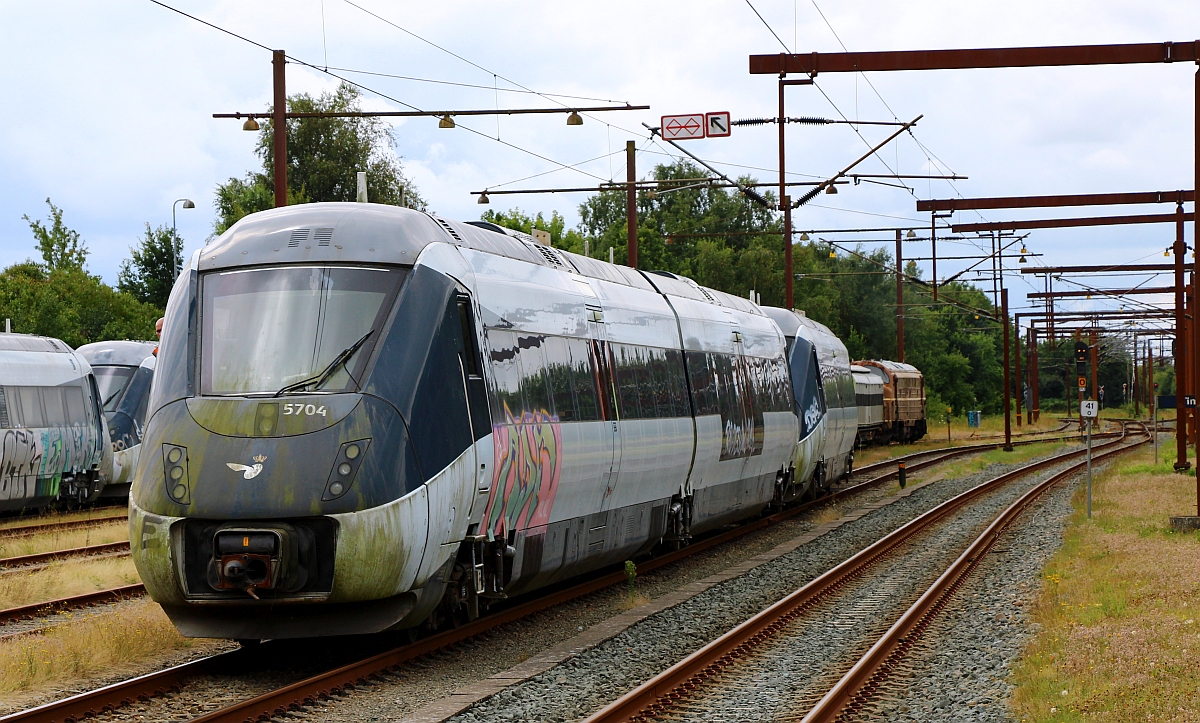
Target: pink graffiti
525 473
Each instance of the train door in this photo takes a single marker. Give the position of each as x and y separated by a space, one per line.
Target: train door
476 393
602 366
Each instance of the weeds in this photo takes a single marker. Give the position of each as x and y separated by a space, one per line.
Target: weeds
65 579
136 631
1118 607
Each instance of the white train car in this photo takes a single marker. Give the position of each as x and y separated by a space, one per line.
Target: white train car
53 437
123 371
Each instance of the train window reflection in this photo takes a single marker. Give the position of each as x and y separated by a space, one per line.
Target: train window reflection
112 381
264 330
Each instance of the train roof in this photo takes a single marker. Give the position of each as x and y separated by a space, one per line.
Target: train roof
28 360
117 353
31 342
891 366
379 233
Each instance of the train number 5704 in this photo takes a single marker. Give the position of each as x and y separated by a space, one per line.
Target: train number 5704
306 409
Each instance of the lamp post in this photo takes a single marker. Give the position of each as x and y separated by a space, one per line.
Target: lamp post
187 203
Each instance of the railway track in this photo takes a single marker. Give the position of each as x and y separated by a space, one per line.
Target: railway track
22 562
851 594
338 680
341 679
29 530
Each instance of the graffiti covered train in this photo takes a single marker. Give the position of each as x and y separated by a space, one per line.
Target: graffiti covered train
54 441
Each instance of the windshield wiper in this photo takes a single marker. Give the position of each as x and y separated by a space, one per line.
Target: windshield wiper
321 377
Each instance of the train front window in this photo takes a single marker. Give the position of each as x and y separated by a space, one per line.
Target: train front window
112 382
264 330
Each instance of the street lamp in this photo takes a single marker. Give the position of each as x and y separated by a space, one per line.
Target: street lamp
187 203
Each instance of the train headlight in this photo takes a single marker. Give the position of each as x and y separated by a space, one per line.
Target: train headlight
345 467
175 472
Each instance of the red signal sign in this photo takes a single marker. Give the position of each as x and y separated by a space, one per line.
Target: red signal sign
683 127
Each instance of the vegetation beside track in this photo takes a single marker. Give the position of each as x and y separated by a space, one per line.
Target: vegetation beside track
135 635
66 579
960 434
64 539
1119 614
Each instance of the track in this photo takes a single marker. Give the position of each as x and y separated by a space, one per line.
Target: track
28 530
725 680
340 679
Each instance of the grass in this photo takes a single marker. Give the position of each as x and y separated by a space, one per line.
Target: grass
65 579
991 431
966 466
96 644
64 540
57 516
1118 608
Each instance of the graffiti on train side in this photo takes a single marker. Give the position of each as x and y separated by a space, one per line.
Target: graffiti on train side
526 471
32 462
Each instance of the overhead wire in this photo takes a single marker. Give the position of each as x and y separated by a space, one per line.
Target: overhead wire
373 90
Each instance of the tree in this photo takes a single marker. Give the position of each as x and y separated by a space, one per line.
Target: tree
153 265
712 235
70 304
324 158
60 246
516 219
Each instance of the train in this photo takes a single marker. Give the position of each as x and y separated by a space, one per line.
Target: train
891 402
368 418
55 441
124 371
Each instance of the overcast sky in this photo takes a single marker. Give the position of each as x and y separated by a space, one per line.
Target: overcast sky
109 106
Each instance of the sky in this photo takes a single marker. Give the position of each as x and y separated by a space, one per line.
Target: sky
109 111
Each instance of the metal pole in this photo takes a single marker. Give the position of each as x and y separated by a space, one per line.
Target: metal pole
899 299
173 233
1093 356
1020 389
1181 463
631 222
279 63
933 249
1007 390
1035 393
785 205
1089 468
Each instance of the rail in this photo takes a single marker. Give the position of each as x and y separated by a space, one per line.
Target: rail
674 682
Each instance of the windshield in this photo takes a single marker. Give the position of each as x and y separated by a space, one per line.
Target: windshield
263 329
112 382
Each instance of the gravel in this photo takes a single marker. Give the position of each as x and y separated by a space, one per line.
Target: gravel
588 681
959 669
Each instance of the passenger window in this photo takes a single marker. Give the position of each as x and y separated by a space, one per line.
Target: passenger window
52 403
503 356
625 370
31 407
534 385
558 369
676 384
76 410
584 377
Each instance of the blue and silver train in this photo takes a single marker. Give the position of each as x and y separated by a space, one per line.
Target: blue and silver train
366 417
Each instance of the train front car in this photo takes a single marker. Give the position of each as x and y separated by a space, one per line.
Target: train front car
123 371
365 417
53 438
823 395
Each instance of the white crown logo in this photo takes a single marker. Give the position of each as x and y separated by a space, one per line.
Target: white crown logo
260 458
